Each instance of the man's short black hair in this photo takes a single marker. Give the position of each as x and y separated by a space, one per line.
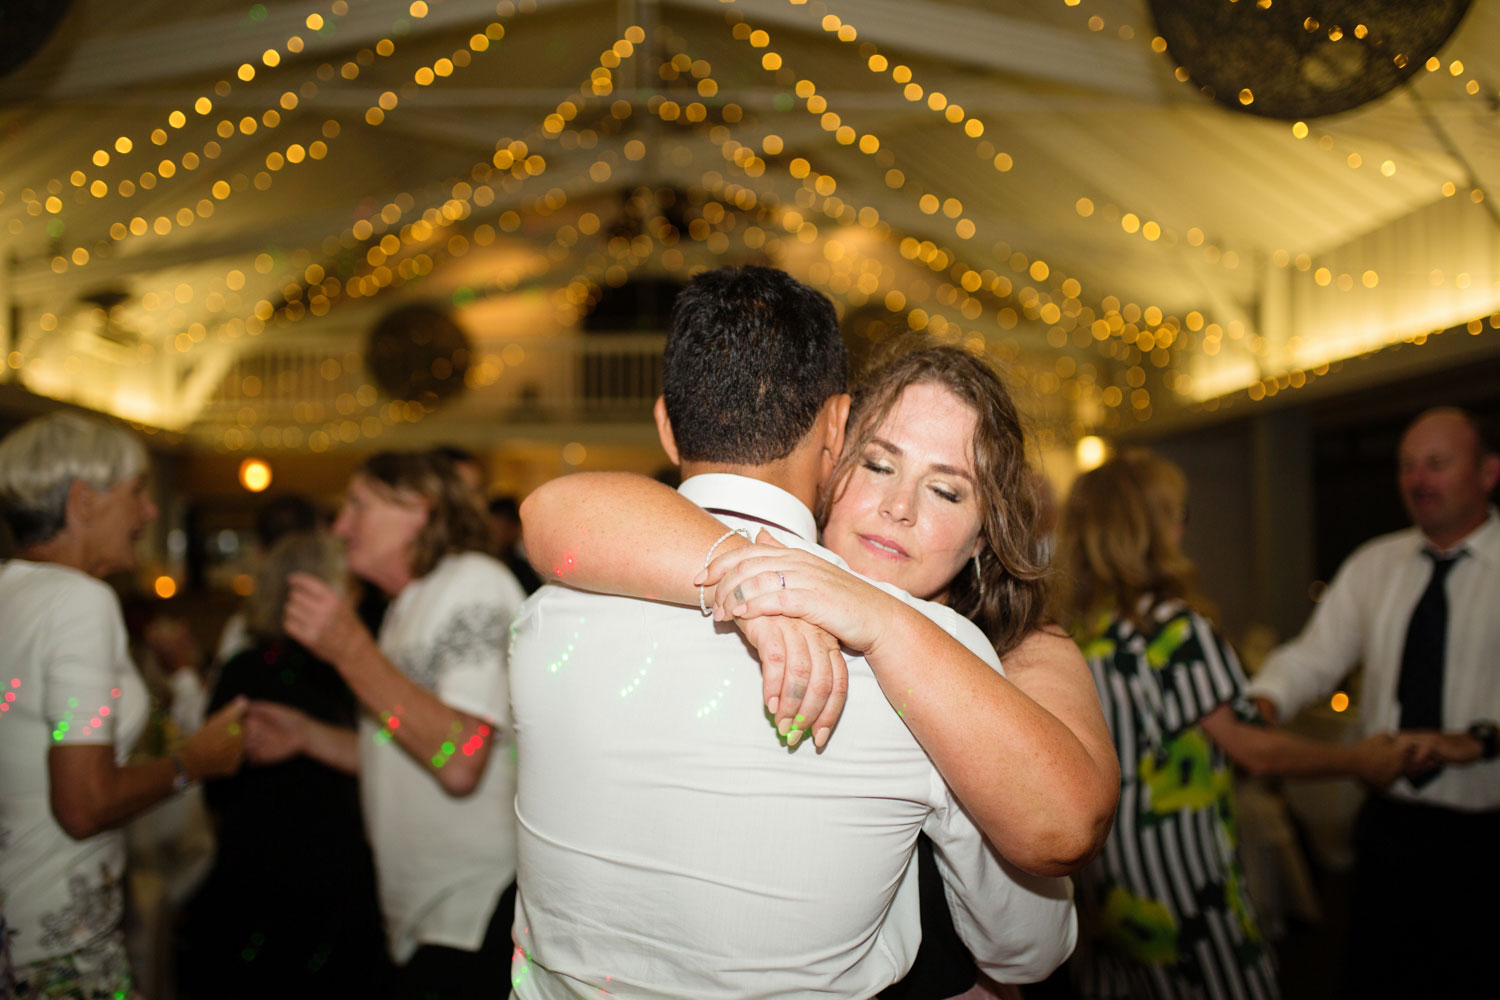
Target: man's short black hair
751 357
505 507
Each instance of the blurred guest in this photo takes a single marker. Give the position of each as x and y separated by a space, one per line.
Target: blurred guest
73 493
1420 608
467 464
434 752
505 526
290 834
276 518
1166 913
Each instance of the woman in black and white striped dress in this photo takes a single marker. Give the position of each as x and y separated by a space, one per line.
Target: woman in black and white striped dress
1165 906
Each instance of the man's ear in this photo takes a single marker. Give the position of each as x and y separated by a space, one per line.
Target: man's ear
1489 472
664 431
835 417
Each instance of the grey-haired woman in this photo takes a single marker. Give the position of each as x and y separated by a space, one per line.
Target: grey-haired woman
73 494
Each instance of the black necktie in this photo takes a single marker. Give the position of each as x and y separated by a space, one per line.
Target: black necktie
1420 690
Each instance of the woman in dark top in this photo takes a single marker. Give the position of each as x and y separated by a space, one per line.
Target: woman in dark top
289 908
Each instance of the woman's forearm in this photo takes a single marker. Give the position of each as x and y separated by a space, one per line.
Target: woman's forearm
333 745
90 793
1029 757
587 530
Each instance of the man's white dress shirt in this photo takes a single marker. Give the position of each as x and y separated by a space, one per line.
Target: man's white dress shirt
671 846
1363 617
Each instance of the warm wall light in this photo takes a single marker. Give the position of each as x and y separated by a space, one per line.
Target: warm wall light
255 474
1090 452
165 587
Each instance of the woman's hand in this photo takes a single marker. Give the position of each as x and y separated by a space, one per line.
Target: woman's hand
321 618
216 749
804 679
274 733
768 578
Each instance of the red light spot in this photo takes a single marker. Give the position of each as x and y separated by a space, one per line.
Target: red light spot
394 723
4 708
484 730
95 723
10 696
114 692
15 682
104 710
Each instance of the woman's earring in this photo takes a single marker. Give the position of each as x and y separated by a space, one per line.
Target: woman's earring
978 576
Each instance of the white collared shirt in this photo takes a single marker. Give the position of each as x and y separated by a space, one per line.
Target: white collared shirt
1363 617
671 846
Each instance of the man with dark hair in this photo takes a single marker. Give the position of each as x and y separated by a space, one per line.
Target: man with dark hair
505 525
670 844
1418 608
467 464
752 357
283 515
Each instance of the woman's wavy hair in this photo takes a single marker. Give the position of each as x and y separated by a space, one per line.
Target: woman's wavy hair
315 552
1117 542
1007 596
456 520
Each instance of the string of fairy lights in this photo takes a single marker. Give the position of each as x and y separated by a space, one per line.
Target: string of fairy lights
1132 338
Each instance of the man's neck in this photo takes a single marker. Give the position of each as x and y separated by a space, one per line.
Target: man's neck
1446 540
784 474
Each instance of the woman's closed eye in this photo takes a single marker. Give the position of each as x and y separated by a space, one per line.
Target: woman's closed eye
878 467
950 495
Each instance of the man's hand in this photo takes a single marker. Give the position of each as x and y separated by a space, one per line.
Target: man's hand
1439 749
1383 758
321 618
804 679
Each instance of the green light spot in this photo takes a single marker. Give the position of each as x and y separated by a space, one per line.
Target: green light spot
55 227
447 749
72 702
258 12
437 760
783 102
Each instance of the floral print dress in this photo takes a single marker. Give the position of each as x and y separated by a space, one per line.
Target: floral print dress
1165 909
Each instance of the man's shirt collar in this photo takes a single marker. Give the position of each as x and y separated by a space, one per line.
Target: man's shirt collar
752 499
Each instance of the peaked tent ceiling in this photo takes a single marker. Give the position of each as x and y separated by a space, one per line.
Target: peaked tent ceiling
208 205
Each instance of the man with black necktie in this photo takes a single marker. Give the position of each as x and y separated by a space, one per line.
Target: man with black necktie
1420 609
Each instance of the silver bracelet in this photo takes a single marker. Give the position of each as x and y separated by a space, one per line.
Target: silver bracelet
743 533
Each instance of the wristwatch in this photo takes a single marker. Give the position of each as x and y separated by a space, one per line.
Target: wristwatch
180 779
1488 735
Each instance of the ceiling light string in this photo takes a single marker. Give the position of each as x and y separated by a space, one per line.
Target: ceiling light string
295 153
123 146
